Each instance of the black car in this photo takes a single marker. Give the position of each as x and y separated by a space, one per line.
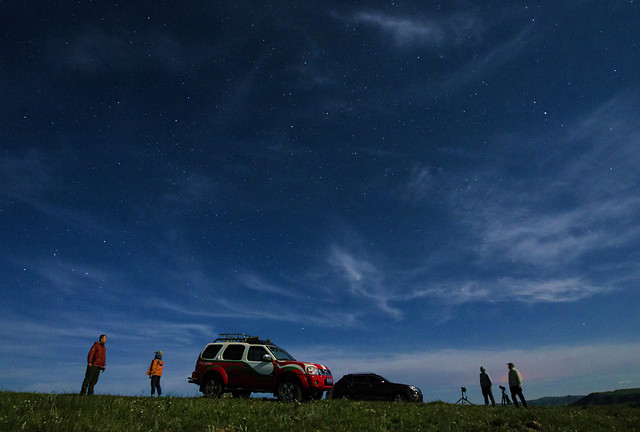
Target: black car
369 386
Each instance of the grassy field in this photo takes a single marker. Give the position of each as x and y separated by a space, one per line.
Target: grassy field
51 412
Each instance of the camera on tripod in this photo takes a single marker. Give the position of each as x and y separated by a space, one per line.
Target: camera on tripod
505 398
463 399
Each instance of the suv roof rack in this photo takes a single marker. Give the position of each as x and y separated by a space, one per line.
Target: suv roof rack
241 337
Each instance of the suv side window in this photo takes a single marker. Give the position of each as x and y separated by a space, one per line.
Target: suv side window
256 353
210 352
233 352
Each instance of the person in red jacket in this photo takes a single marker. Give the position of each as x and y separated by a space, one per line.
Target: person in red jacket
155 372
96 362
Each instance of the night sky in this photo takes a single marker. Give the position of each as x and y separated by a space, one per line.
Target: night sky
411 188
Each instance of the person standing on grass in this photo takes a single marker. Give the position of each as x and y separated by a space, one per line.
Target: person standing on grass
96 363
515 385
485 385
155 372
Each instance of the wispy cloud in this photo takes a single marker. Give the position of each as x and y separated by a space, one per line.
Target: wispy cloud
364 279
587 207
488 62
540 230
421 184
257 283
545 290
513 225
403 30
271 311
70 278
513 233
445 30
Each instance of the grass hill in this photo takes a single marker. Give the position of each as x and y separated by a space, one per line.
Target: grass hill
101 413
618 397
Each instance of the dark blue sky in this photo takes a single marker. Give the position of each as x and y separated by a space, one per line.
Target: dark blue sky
410 188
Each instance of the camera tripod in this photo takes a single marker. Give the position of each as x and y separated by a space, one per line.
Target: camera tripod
505 398
463 399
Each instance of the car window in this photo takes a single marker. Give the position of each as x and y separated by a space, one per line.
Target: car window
233 352
374 380
256 353
211 351
360 380
280 354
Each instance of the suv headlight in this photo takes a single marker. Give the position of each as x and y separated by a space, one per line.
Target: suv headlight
312 370
415 389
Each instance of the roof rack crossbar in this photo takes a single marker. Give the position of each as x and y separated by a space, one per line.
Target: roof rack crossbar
240 337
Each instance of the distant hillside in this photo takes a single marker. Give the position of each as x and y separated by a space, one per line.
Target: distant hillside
617 397
556 401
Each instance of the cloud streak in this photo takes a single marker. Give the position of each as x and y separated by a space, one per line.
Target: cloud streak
364 280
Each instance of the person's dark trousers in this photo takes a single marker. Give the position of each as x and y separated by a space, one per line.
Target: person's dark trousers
90 379
517 391
155 384
487 393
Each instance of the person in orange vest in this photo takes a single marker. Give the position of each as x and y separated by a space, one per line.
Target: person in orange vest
155 372
96 362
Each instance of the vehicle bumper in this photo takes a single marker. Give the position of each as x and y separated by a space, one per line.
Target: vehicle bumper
319 382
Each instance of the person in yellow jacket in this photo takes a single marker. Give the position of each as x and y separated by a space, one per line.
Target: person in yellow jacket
155 372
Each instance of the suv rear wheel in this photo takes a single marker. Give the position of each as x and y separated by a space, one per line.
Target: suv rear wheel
212 388
289 391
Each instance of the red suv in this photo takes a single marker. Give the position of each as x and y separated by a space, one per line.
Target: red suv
243 364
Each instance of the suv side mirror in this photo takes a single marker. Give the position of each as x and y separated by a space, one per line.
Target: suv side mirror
267 358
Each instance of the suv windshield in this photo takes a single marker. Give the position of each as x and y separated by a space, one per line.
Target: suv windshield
280 354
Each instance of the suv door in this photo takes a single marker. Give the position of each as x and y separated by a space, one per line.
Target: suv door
231 353
261 371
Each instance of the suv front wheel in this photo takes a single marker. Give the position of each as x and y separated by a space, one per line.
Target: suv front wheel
289 391
212 388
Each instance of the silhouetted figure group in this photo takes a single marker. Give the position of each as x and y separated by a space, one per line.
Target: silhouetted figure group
515 386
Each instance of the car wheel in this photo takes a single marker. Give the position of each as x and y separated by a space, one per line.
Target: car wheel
212 388
399 397
289 391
